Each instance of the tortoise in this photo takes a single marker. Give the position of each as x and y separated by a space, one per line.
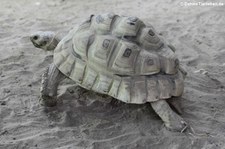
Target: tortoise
120 56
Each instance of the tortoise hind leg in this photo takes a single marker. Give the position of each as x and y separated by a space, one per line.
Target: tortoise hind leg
50 81
171 119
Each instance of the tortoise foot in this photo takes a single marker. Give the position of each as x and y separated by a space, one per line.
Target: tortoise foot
171 119
176 124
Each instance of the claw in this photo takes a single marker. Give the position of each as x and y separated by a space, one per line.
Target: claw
178 127
185 126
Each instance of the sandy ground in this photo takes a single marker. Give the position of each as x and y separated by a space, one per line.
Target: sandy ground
87 120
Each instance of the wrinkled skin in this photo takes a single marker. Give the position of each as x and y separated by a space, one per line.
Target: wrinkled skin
52 77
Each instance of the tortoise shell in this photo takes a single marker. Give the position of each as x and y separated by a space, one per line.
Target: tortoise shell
122 57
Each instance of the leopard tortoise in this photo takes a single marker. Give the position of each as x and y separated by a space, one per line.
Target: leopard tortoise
119 56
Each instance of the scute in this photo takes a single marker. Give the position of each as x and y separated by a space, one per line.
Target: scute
124 57
152 88
102 84
121 57
102 23
148 39
148 63
127 26
124 90
178 84
89 78
78 69
82 41
114 89
67 65
101 49
164 87
139 90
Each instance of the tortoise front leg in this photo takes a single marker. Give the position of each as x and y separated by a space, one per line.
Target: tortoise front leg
171 119
50 81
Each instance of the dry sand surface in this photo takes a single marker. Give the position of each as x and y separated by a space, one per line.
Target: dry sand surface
88 120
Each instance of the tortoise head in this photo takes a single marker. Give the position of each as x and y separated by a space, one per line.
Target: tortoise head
44 40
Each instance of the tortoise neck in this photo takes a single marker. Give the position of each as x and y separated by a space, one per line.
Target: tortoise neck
53 44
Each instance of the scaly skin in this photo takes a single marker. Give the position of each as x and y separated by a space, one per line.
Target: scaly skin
171 119
50 81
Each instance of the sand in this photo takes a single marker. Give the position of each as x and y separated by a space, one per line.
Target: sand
87 120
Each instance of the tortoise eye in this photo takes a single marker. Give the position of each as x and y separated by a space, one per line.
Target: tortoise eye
35 37
131 23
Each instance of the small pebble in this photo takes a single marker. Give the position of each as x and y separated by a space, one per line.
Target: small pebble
4 132
3 103
202 71
6 90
